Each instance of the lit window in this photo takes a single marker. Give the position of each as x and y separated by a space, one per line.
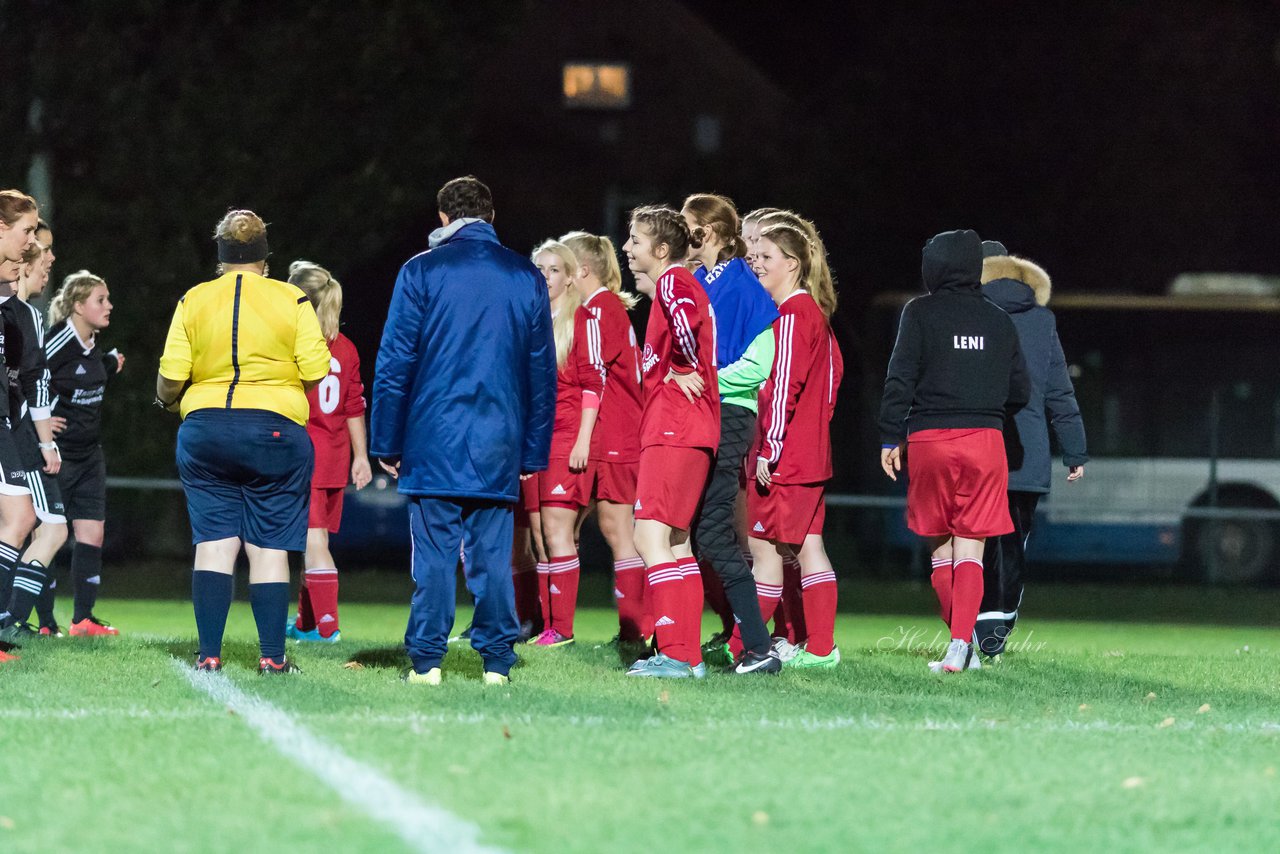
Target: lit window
597 85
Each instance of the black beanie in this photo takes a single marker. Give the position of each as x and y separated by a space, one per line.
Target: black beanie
991 248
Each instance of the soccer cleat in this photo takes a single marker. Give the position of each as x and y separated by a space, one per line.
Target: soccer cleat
16 634
785 649
496 678
91 626
958 656
268 667
661 667
4 656
551 638
312 636
803 659
527 632
717 642
209 664
755 662
413 677
53 630
720 656
699 670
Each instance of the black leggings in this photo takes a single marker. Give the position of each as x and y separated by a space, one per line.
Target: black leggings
715 536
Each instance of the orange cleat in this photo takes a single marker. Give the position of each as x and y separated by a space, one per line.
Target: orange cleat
4 656
92 627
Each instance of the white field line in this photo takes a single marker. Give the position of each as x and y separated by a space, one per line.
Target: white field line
866 723
423 826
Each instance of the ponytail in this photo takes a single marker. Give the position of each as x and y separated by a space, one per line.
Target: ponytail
598 254
717 215
324 291
667 226
819 281
75 289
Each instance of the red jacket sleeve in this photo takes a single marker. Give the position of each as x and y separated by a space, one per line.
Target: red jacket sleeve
684 320
354 404
589 354
837 374
791 359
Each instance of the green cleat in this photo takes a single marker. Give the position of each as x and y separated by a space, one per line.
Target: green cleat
804 659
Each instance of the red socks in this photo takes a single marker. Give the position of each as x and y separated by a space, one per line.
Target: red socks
628 590
544 592
941 581
713 589
693 599
306 620
768 596
793 601
321 586
966 598
525 580
562 586
819 591
666 593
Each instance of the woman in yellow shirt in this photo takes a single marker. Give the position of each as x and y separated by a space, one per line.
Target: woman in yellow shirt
242 351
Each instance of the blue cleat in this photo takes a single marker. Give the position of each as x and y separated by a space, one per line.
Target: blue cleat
662 667
292 632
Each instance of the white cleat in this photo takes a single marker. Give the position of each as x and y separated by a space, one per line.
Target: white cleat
785 649
959 654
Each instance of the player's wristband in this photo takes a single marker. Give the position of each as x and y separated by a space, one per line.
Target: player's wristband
47 446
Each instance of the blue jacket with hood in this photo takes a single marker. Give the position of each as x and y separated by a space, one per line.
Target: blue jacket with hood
1022 289
465 386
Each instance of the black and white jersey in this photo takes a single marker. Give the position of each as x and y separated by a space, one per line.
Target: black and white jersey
29 380
10 351
78 377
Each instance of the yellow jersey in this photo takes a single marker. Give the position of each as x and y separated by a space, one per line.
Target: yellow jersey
245 342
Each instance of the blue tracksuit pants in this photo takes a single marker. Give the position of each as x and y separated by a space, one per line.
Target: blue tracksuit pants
484 530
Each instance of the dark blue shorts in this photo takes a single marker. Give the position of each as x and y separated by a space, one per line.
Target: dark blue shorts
247 474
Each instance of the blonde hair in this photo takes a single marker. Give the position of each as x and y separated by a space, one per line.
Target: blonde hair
717 215
75 289
240 226
598 255
820 283
562 323
324 291
814 275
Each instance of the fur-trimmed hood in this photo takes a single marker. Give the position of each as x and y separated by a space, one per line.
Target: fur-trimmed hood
1019 270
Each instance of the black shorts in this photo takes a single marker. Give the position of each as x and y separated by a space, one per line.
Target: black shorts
247 474
46 496
83 482
13 474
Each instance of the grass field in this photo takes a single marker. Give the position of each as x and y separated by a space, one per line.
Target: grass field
1113 736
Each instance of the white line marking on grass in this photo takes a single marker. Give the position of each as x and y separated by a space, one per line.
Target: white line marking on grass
422 826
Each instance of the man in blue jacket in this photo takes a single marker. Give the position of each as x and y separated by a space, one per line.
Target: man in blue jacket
463 405
1022 289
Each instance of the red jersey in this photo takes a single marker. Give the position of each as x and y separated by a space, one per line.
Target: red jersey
614 353
338 397
799 398
579 384
681 337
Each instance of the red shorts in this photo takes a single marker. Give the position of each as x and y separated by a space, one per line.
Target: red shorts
326 509
615 482
957 483
670 483
528 502
559 487
786 512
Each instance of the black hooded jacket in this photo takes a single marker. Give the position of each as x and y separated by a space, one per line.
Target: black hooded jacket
957 362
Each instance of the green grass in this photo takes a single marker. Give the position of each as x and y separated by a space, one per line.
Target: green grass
1089 736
